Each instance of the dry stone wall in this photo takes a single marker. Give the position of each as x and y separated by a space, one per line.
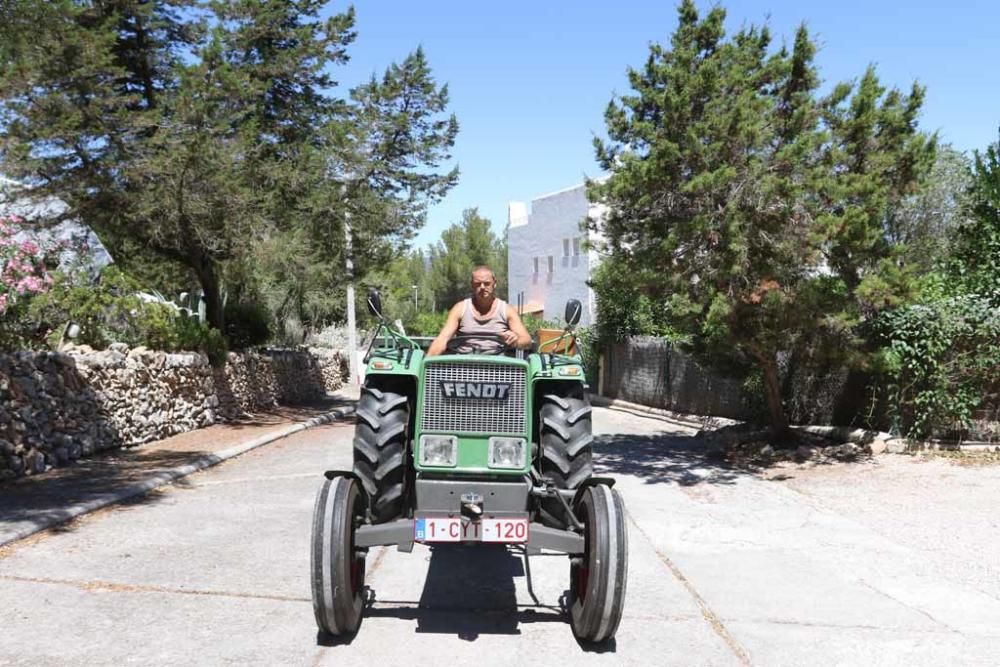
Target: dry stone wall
56 407
245 384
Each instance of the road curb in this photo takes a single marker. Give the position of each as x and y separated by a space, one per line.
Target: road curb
686 421
165 477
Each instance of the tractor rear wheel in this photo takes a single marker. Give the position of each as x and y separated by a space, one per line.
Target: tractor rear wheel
598 578
566 440
383 419
337 567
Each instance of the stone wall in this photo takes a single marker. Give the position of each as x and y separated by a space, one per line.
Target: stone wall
245 384
301 376
332 367
56 407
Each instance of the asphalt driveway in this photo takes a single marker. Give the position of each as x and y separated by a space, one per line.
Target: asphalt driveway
726 567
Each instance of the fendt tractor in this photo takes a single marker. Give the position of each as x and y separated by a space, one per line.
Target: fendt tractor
471 448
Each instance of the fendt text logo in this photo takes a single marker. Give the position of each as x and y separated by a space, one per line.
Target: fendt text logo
494 390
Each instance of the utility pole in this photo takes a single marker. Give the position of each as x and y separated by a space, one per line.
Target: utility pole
414 287
352 334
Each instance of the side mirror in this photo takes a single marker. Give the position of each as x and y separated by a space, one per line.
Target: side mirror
374 303
573 312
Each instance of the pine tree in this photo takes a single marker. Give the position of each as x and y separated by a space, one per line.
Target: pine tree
284 52
754 207
191 173
463 246
208 135
381 163
82 88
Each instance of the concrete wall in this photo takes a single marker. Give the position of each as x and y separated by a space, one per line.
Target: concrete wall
537 233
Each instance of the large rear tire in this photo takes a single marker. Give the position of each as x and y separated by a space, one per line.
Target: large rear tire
380 437
598 579
567 445
337 567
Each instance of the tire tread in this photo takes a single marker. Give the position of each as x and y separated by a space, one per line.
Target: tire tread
380 445
567 445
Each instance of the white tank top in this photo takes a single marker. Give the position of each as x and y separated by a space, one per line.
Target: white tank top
471 325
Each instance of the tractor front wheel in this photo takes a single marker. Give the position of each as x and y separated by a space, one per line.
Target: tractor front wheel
598 577
337 567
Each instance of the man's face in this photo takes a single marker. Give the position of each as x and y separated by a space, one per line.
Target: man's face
483 285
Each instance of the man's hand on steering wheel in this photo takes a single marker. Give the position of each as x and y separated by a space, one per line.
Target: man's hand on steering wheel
509 337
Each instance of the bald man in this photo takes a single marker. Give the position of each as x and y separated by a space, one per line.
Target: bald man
483 314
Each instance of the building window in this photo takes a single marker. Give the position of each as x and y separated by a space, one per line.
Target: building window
536 265
550 264
576 246
566 247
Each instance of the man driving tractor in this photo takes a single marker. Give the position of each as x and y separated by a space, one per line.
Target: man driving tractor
472 449
485 324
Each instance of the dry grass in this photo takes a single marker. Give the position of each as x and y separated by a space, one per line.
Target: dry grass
970 459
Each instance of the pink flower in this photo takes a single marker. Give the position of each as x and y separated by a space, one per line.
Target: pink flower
22 268
29 284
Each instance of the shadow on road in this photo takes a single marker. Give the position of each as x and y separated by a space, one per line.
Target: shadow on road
470 591
662 458
43 500
282 414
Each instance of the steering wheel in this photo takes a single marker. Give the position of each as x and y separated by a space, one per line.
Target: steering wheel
458 338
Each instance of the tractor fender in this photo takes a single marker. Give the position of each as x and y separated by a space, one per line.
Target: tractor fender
334 474
591 481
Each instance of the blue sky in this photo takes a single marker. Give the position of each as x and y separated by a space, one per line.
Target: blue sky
529 81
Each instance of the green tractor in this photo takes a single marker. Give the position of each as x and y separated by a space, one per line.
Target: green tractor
474 449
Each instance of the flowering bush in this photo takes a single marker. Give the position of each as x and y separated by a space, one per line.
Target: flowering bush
24 272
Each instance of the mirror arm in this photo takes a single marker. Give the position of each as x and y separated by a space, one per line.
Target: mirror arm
371 343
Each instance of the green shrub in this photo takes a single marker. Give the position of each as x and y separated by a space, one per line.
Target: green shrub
106 313
533 323
154 325
110 312
247 324
214 345
942 358
624 308
426 324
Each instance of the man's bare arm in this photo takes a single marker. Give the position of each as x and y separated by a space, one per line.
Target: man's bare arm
447 331
523 338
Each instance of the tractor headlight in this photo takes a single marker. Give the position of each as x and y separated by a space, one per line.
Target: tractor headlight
507 452
438 450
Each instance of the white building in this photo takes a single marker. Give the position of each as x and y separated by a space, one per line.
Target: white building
548 260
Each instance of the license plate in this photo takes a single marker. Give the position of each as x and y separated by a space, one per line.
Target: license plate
444 529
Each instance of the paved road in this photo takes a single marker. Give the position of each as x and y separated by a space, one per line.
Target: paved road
725 568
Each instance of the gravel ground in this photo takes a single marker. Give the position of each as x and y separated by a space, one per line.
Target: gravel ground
946 508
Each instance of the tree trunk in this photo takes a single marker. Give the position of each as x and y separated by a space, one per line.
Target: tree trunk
209 280
772 390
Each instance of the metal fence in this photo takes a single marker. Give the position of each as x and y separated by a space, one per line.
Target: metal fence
650 372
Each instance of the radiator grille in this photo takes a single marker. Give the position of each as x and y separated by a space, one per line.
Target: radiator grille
473 415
